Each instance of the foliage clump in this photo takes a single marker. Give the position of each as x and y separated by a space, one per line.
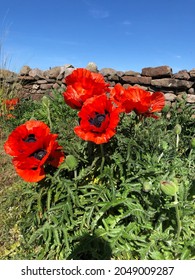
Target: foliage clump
110 202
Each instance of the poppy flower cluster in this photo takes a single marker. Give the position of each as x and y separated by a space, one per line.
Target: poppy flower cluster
98 117
33 146
10 105
100 106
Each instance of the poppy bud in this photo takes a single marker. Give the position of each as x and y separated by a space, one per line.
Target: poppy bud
71 162
177 129
192 143
147 186
45 101
169 187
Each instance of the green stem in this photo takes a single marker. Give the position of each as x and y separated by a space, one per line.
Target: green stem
189 158
103 158
75 173
177 142
128 150
177 217
49 118
159 158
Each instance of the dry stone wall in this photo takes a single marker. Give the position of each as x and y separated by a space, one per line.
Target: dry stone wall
36 83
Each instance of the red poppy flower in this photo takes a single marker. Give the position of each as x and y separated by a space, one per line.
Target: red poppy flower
134 98
33 146
81 85
98 120
145 103
11 103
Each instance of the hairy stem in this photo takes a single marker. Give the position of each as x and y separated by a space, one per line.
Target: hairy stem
177 217
103 158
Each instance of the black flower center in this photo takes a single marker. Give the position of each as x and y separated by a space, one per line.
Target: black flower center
30 138
39 154
98 119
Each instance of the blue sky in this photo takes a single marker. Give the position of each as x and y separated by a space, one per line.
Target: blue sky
124 35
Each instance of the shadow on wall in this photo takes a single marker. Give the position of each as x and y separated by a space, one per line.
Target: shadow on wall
91 247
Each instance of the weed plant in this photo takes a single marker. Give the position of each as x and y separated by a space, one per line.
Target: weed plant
113 202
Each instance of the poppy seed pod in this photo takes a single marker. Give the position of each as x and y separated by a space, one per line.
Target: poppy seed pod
71 162
45 101
169 187
177 129
147 186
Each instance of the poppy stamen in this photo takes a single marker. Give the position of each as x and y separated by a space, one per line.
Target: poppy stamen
97 120
30 138
39 154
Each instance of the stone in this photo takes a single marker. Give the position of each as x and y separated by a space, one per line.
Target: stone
131 73
41 81
191 91
136 80
170 96
120 73
114 78
112 84
172 83
160 71
168 103
192 74
26 79
35 86
50 80
46 86
52 73
24 70
182 75
36 73
126 85
67 68
142 87
91 66
56 86
190 98
107 71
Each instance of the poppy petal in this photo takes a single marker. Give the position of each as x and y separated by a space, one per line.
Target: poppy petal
98 120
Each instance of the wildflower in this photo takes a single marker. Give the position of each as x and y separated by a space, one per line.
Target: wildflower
11 103
81 85
98 120
143 102
32 147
